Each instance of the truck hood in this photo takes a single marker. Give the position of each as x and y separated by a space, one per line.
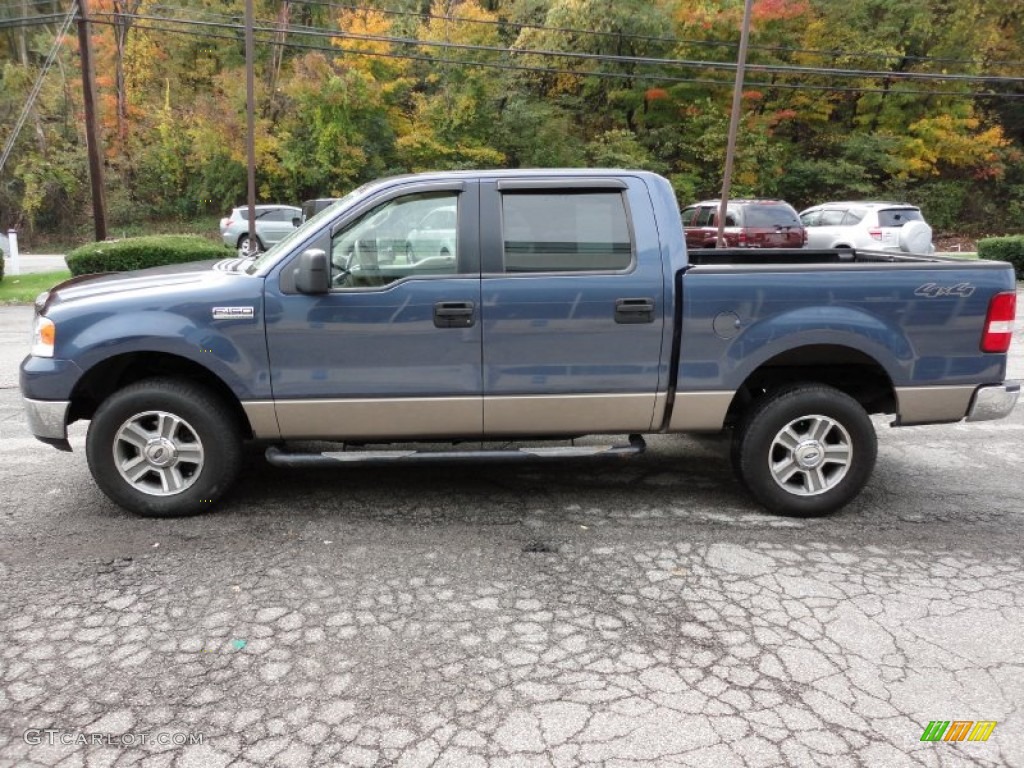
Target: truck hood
112 283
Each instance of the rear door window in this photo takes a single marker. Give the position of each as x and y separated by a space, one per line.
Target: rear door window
705 216
565 232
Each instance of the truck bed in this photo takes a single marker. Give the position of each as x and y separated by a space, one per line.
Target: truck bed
719 257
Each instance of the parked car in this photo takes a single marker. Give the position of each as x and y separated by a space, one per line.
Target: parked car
433 236
273 223
868 225
748 224
572 307
311 208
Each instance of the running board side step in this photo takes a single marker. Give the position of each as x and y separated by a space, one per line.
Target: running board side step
281 458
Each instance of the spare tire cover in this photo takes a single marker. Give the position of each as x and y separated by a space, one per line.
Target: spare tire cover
916 237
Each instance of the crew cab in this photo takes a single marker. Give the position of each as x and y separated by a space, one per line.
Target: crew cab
563 303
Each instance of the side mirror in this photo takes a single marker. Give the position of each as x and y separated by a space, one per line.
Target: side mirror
296 221
313 274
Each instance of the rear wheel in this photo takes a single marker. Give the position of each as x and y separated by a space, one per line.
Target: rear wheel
163 448
249 246
805 450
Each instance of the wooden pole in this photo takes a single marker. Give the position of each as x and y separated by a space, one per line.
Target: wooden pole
92 129
734 122
250 117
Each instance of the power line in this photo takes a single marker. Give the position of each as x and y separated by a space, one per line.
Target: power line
37 86
654 38
31 21
544 70
604 58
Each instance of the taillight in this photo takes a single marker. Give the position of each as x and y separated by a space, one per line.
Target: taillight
804 231
742 238
224 223
876 234
999 322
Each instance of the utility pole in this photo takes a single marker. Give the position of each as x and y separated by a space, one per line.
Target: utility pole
734 122
250 117
92 132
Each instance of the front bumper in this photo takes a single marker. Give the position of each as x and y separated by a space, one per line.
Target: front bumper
994 401
47 420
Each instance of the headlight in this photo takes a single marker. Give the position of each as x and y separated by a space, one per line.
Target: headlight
44 334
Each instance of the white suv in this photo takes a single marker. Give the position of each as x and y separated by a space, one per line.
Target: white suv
878 226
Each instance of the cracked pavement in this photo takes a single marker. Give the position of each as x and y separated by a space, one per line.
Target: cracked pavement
568 614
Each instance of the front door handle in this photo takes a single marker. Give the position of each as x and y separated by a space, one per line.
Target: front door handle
630 311
454 314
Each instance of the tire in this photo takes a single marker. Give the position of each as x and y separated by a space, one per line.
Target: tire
247 247
915 237
148 438
804 450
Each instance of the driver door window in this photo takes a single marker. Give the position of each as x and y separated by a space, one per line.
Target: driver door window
411 236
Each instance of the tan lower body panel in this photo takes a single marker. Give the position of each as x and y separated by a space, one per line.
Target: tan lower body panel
262 419
441 417
569 414
932 405
399 418
700 411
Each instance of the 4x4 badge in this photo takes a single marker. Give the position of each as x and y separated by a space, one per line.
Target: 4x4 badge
233 313
932 291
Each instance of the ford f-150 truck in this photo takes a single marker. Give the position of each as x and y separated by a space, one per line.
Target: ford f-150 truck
432 312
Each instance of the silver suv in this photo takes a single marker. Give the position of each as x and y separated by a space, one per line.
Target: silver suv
273 224
868 225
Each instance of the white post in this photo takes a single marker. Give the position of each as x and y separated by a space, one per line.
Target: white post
13 265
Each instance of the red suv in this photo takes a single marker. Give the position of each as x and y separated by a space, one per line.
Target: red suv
748 224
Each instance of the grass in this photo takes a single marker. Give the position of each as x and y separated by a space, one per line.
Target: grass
23 289
39 242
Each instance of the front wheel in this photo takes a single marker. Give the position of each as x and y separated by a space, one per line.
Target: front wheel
163 448
805 450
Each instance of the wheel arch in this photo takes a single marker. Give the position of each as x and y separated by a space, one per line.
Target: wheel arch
116 372
848 370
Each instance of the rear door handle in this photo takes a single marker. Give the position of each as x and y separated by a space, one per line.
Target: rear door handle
454 314
630 311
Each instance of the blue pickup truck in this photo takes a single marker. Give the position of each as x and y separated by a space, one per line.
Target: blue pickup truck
422 314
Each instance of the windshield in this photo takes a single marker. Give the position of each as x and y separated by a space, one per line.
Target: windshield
268 256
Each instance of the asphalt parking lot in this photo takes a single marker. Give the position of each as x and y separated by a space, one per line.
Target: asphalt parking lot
638 613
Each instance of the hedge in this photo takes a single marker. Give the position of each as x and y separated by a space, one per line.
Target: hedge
142 252
1009 249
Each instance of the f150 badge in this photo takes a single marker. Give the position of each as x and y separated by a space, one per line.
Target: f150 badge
934 291
233 313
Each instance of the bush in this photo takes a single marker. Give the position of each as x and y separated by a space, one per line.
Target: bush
1009 249
142 252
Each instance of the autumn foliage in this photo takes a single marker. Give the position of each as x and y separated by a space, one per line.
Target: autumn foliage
843 98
